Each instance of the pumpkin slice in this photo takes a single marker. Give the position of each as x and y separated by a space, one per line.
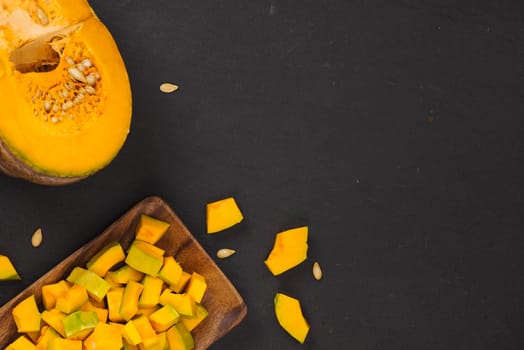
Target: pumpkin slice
290 317
222 214
64 92
289 250
7 270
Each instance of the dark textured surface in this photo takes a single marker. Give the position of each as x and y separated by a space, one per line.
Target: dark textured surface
395 130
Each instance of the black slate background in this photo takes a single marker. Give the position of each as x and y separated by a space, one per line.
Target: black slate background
394 129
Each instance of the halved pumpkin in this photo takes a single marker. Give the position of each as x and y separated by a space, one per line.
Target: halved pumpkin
64 91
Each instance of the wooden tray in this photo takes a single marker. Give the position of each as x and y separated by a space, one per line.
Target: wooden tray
226 307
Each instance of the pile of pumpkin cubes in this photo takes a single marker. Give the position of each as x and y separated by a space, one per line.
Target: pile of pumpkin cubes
148 303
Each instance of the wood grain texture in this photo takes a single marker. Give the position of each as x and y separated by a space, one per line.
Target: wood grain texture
226 307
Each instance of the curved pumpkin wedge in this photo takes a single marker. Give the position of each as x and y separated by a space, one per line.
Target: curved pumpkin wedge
64 91
7 270
289 315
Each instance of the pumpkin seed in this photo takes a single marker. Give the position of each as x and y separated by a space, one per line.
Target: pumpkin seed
77 74
225 253
90 90
91 79
36 239
87 62
168 88
317 272
42 16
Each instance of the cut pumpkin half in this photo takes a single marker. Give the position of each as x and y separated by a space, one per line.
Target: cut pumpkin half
64 91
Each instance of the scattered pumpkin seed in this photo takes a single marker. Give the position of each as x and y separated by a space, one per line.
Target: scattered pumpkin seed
225 253
36 239
168 88
317 272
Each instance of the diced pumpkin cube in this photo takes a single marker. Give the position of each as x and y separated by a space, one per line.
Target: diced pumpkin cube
43 342
81 335
130 333
27 316
127 346
164 318
64 344
112 285
114 301
100 304
123 275
117 325
105 259
182 303
54 319
191 322
197 287
146 331
182 282
96 286
222 215
7 270
147 311
50 292
179 338
129 306
145 257
72 299
150 229
171 271
151 294
79 321
104 337
33 336
101 313
160 345
21 343
162 342
289 250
